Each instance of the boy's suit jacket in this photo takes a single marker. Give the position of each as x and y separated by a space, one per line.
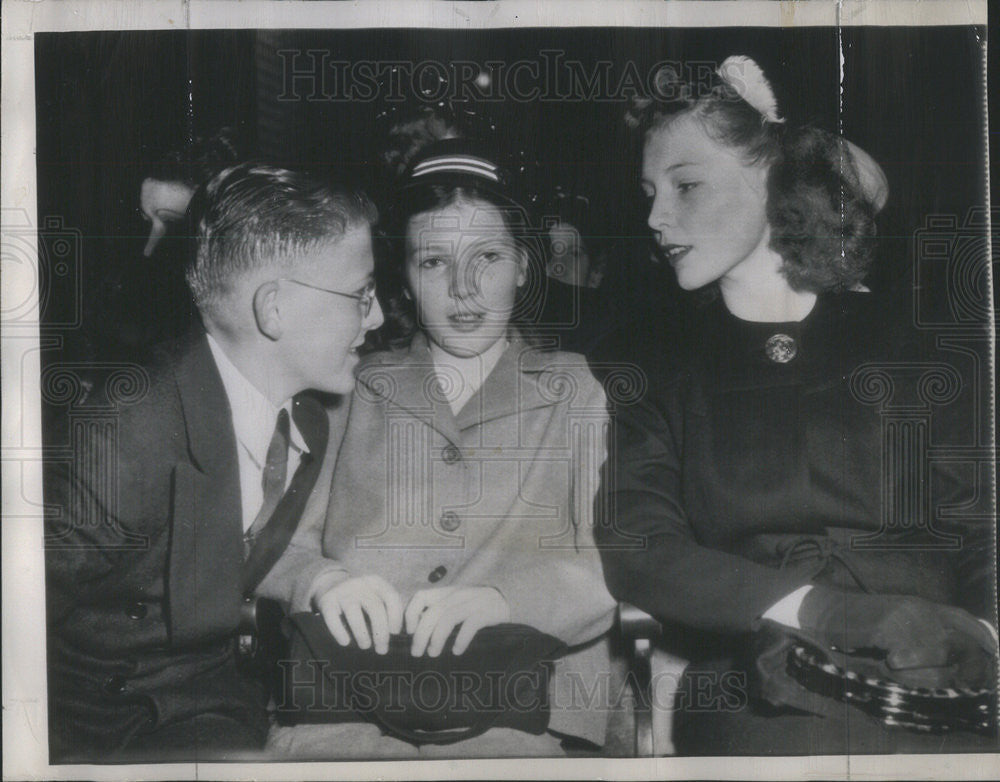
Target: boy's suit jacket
144 550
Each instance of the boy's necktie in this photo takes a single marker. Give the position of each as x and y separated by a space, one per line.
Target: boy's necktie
274 476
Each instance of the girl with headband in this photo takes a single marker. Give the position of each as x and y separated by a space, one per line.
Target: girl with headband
753 488
464 487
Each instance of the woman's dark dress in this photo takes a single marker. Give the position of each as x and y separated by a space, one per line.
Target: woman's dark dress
736 475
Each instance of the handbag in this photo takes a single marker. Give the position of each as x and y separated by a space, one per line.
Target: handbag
501 680
793 669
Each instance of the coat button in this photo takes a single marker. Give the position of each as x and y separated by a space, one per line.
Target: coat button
437 574
450 521
450 454
137 610
114 684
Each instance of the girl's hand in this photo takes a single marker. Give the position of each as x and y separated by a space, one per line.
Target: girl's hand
433 614
356 598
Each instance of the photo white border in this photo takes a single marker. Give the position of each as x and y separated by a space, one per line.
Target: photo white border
24 727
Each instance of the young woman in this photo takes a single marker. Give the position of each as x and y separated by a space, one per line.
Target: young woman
758 494
463 491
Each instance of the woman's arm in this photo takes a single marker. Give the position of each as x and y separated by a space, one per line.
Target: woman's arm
651 554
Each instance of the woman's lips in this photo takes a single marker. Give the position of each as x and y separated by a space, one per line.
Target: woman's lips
675 252
465 321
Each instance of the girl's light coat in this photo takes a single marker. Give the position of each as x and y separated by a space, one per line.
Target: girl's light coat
500 495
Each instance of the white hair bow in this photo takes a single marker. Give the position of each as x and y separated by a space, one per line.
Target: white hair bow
746 77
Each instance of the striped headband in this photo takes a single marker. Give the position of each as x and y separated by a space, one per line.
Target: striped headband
465 164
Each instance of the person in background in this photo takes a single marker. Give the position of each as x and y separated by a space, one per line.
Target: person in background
571 238
169 184
151 301
577 257
749 489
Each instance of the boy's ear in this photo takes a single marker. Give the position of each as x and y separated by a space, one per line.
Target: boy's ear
266 311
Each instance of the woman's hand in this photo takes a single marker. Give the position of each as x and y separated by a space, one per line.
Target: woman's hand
433 614
926 644
356 598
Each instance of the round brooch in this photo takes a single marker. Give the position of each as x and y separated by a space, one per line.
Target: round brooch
781 348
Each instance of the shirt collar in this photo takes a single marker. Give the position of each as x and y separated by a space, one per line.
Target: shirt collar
254 417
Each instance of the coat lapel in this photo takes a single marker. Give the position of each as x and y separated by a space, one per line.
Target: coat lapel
523 379
407 380
206 545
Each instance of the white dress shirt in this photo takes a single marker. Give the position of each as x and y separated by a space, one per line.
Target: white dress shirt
254 419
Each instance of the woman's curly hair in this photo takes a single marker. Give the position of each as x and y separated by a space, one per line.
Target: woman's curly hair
821 216
822 223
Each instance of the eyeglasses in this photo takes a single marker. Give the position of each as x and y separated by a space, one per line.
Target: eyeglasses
366 298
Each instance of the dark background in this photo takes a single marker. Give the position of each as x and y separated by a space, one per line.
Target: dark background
108 104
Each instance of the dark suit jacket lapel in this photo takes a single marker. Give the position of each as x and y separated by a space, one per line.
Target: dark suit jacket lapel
206 543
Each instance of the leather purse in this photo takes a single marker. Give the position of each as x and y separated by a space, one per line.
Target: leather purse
501 680
791 668
798 669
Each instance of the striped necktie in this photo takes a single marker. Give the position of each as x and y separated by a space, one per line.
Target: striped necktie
274 476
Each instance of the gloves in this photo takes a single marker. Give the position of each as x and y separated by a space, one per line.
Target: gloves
925 644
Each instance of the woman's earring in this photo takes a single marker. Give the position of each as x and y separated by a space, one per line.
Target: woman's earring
407 295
